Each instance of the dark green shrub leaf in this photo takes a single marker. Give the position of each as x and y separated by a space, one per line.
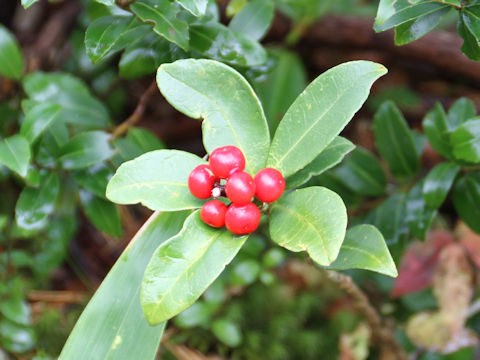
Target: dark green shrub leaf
394 141
11 58
471 46
231 111
461 110
195 7
320 113
16 338
38 119
254 19
365 248
438 182
15 309
227 332
466 141
332 155
137 142
181 269
471 19
313 219
94 179
466 198
199 314
27 3
418 215
35 205
15 154
245 272
164 17
157 180
102 213
112 326
86 149
435 127
361 172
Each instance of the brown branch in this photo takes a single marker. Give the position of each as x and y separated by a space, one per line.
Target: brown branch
382 334
51 296
137 114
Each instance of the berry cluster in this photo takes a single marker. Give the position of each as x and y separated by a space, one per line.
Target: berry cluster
224 176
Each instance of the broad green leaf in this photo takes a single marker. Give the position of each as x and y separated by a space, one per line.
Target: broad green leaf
471 46
183 267
330 180
16 338
438 182
199 314
365 248
320 113
11 58
157 180
15 309
280 87
394 141
102 213
34 206
415 29
109 34
86 149
231 111
408 13
227 332
436 128
218 42
362 172
466 141
195 7
418 215
15 154
164 17
27 3
137 142
328 158
461 110
466 198
235 6
106 2
254 19
94 179
244 272
38 119
112 326
471 19
79 107
313 219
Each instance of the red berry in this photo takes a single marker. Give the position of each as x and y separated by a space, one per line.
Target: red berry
200 182
240 188
269 185
213 213
242 219
226 160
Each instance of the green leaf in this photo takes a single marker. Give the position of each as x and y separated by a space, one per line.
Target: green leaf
164 17
34 206
15 154
471 19
231 111
438 182
102 213
106 2
195 7
461 110
161 173
415 29
313 219
11 58
16 338
320 113
86 149
394 141
418 215
199 314
280 87
38 119
137 142
227 332
218 42
109 34
79 107
407 14
466 141
244 272
332 155
365 248
112 326
436 128
181 269
254 19
15 309
471 46
362 172
27 3
94 179
466 198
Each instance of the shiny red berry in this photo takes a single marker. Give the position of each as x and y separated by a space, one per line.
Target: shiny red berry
200 182
240 188
213 213
242 219
269 185
226 160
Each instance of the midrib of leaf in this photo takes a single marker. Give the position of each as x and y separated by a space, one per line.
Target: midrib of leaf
396 147
320 118
252 18
156 12
366 176
305 221
13 153
410 8
111 44
353 248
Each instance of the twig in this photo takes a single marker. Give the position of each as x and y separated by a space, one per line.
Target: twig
382 334
137 114
57 296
